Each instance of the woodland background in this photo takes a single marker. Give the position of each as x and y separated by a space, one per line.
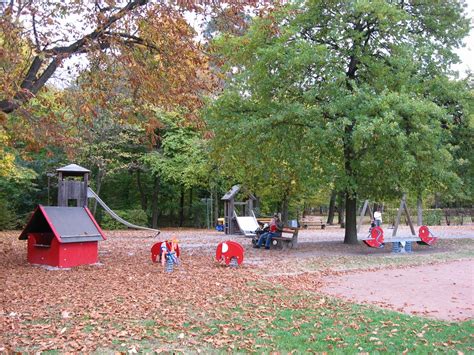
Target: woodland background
169 104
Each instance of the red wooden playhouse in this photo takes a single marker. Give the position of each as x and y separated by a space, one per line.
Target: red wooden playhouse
64 236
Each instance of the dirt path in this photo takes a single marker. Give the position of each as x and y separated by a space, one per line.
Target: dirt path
442 291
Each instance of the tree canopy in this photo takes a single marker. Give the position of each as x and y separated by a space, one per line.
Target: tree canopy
296 101
353 80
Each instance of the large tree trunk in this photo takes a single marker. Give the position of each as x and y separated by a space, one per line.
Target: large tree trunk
154 202
143 197
350 236
332 207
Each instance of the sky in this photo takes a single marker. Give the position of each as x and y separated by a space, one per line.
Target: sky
63 78
466 54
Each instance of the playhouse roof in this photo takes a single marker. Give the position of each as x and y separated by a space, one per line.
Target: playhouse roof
73 169
231 193
68 224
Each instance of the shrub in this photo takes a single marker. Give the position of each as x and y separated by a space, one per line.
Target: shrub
137 217
8 217
433 217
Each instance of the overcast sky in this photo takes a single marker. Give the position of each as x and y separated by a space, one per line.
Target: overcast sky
466 54
63 79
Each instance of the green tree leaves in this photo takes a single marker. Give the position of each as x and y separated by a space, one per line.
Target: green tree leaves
348 82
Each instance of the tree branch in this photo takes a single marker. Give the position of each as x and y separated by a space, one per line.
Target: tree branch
132 39
34 81
74 47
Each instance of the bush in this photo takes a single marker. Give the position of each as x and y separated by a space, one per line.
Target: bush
433 217
137 217
8 217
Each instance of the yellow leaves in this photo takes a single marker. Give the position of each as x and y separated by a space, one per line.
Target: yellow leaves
7 160
7 164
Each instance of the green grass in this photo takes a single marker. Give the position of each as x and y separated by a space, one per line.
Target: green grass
355 328
338 326
464 249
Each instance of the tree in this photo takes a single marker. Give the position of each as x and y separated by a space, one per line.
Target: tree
261 145
51 32
178 157
358 72
46 58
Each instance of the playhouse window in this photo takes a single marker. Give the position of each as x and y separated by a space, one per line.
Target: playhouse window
43 239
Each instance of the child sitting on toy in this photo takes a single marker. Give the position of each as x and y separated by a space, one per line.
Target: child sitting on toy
169 250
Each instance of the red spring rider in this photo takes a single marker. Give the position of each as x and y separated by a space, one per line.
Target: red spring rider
166 252
231 253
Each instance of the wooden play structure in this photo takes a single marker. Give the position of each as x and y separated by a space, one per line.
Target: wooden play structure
64 236
233 222
73 188
73 181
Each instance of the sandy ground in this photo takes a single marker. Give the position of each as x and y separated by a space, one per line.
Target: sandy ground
442 291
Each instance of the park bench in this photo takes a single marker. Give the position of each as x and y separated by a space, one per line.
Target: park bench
288 239
263 220
307 224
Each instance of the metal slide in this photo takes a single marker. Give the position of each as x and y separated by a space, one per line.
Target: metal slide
248 225
92 194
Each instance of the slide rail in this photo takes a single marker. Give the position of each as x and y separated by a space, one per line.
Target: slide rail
91 194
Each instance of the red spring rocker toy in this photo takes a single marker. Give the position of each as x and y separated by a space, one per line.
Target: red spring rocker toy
426 236
156 250
376 240
231 253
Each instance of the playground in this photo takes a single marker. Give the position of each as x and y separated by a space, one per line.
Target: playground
321 296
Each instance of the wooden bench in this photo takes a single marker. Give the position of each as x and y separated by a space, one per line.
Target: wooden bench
316 223
288 239
263 220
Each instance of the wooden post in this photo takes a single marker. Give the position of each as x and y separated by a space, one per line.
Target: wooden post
84 193
61 193
362 214
403 207
399 215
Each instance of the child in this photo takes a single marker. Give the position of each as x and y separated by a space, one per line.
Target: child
170 250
